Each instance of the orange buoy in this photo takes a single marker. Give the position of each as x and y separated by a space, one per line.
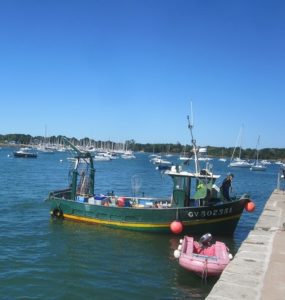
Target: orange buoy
176 227
249 206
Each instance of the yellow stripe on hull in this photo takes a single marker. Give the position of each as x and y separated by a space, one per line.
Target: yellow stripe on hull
146 225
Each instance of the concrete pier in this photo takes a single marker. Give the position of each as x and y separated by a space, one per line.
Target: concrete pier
258 268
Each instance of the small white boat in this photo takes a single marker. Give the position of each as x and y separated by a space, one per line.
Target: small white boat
222 158
265 162
45 149
100 157
163 164
155 159
108 155
240 163
128 155
257 166
160 161
202 154
184 158
26 152
204 158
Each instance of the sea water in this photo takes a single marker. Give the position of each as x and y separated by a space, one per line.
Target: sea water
45 259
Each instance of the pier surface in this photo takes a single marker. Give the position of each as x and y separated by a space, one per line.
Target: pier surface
258 268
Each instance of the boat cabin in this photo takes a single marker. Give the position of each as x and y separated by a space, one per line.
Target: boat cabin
192 189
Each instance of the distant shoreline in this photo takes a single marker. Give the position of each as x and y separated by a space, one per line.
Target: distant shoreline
12 145
7 145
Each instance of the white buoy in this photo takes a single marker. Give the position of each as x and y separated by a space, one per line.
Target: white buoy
230 256
176 253
179 247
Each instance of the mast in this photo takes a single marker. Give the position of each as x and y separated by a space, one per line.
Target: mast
88 159
193 141
241 141
238 143
257 145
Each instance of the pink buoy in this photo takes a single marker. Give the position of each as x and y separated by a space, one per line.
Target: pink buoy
249 206
176 227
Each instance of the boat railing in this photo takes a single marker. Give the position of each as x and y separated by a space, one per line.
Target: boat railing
63 194
148 201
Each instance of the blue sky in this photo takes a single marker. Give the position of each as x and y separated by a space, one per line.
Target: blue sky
128 69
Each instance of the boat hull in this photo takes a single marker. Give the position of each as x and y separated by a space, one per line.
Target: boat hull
219 219
25 155
240 165
203 265
258 168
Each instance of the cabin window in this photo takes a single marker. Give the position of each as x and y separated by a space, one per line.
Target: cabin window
179 183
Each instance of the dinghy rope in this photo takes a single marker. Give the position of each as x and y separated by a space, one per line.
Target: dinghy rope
205 271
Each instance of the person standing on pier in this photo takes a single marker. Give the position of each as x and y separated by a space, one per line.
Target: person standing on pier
226 187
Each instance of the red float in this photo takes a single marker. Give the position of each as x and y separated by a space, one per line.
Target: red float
176 227
121 201
249 206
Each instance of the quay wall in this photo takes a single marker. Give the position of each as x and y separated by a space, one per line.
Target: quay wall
258 268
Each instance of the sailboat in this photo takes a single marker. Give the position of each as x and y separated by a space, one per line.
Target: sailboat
238 162
45 146
257 166
183 156
222 158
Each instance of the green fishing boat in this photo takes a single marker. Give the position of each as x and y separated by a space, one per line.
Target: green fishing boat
195 206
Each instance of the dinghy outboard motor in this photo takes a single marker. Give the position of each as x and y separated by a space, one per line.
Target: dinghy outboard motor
205 240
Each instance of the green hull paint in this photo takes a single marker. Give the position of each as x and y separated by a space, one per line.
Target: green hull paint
205 211
218 219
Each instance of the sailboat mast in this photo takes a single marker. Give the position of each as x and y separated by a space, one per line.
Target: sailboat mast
241 141
257 145
238 144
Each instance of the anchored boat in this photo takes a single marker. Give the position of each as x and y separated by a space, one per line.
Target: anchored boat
195 205
26 152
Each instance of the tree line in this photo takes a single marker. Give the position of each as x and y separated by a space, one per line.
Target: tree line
178 148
